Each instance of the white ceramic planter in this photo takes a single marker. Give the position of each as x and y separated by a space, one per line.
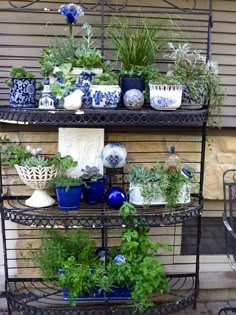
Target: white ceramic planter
105 96
78 71
37 178
136 198
165 96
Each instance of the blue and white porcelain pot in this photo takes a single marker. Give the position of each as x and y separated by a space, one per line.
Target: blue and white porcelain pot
84 83
194 102
22 93
114 155
105 96
165 96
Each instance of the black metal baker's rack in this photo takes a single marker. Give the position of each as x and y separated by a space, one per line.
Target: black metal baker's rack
31 295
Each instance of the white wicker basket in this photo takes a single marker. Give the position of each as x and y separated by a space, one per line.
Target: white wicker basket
37 178
165 96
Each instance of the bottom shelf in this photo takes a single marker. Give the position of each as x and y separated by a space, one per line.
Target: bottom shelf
37 297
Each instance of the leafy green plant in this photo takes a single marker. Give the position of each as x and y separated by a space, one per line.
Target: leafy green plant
15 153
86 56
65 181
159 181
91 173
61 89
136 45
57 247
142 271
191 69
106 79
19 73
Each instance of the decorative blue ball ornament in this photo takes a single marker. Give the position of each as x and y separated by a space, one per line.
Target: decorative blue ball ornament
119 259
114 155
133 99
115 196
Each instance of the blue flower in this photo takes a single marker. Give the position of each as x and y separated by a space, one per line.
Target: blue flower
71 11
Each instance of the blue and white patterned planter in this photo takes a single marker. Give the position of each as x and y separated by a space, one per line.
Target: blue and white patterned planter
84 83
22 93
165 96
191 102
105 96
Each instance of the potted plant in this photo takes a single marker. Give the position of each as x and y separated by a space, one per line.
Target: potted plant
136 45
202 84
68 191
105 91
22 88
35 170
85 272
95 184
72 260
65 88
141 271
159 185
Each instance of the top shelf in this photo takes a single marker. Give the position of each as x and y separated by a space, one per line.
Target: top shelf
103 117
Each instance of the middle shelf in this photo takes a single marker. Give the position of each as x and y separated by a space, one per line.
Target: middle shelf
97 216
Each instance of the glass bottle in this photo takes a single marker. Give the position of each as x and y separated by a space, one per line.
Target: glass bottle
173 161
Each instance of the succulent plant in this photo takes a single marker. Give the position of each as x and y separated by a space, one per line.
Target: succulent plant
91 173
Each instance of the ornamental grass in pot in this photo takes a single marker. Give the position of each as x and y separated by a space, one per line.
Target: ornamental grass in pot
137 45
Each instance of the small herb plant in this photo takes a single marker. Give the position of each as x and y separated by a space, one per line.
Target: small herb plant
19 73
91 173
106 79
142 271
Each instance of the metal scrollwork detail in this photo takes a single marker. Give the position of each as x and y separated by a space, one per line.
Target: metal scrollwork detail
22 6
91 6
116 7
192 5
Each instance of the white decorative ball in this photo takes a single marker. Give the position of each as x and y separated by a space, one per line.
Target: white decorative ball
114 155
133 99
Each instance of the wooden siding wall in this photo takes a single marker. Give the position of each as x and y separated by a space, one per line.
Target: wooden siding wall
23 34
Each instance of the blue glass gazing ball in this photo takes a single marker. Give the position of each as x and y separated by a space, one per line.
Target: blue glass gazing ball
115 197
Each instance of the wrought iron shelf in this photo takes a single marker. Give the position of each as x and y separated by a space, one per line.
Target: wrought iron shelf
37 297
93 216
104 117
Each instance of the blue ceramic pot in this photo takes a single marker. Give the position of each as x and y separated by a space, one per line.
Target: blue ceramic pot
69 198
94 191
22 93
115 197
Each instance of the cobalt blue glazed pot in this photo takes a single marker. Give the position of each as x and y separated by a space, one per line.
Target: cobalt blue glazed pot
115 197
22 93
93 193
69 197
